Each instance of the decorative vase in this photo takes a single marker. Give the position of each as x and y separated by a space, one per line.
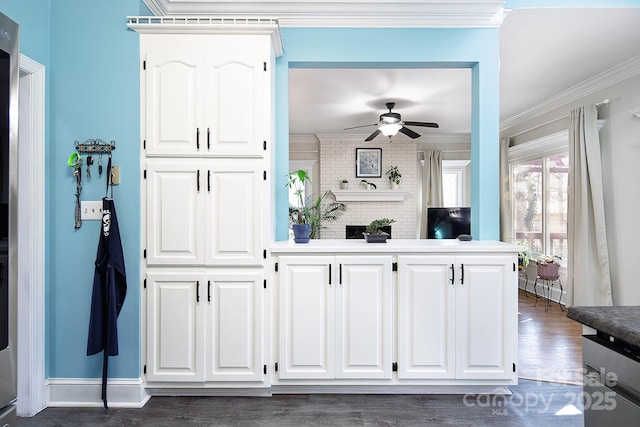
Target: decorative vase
301 232
394 185
344 185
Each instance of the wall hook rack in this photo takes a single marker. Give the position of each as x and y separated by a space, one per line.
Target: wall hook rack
95 146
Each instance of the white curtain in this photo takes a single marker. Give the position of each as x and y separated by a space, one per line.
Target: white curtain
431 186
588 279
506 219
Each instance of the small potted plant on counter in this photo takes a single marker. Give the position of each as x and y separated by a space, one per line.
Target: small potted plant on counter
300 224
374 234
344 184
394 177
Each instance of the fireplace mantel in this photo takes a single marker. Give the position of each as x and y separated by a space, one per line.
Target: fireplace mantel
369 195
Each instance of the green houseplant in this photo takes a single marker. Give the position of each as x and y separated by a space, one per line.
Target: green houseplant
322 210
300 224
374 234
394 176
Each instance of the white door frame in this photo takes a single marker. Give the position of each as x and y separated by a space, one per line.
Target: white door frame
31 239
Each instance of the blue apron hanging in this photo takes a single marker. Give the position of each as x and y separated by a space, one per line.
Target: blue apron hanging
109 288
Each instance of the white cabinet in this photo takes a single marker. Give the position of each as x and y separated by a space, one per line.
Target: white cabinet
175 327
206 95
335 317
204 212
456 316
205 326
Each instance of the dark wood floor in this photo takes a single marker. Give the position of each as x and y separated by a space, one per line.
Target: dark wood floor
549 349
549 346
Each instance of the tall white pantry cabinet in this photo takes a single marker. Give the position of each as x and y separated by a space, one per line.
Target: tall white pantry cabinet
207 130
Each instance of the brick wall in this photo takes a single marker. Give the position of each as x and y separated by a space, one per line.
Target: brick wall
337 162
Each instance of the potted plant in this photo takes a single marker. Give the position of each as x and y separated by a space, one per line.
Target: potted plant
344 184
300 224
322 210
394 177
374 234
524 256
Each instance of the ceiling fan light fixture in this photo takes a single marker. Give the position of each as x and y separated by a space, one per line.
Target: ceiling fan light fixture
389 129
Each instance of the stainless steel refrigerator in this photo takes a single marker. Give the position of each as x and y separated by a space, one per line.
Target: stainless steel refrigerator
9 75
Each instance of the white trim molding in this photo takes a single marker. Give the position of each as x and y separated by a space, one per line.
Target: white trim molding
81 392
344 13
31 238
209 25
612 76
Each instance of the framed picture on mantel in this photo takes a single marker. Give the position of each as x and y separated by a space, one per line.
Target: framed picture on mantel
368 162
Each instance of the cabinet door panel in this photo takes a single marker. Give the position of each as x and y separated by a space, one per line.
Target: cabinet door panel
174 328
364 305
173 102
174 213
234 213
234 322
426 317
235 104
487 322
307 318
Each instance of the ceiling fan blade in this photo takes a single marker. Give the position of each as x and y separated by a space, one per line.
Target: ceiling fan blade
373 135
423 124
363 126
409 132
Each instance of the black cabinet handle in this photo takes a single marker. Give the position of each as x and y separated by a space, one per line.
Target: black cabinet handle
462 274
198 181
209 181
198 291
340 274
453 274
329 274
197 138
209 290
208 139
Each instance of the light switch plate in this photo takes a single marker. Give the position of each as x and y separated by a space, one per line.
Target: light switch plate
91 210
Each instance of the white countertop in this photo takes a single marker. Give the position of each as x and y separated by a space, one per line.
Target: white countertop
393 246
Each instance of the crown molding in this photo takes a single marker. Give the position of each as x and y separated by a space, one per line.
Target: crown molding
342 13
608 78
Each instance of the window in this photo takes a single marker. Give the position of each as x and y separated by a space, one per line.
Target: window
539 179
454 183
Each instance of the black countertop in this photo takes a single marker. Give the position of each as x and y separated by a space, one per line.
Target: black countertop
621 322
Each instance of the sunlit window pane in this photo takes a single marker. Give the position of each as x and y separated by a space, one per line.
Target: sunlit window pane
451 189
527 197
557 202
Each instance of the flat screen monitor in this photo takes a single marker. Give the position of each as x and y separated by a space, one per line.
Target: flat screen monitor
448 223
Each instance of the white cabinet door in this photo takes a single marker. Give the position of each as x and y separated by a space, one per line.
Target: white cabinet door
206 95
235 103
364 317
175 327
426 317
234 349
307 317
234 212
486 316
173 101
175 206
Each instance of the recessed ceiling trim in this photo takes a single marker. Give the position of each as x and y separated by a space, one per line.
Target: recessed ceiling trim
342 13
612 76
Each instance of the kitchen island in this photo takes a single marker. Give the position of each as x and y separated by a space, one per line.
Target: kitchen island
611 364
420 316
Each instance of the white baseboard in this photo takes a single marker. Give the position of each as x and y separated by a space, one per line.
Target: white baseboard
555 291
80 392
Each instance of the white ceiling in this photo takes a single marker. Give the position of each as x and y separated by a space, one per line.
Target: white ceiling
542 52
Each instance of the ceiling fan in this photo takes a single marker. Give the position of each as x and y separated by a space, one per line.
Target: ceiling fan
391 123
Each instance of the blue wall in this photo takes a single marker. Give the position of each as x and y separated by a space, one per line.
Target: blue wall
380 48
